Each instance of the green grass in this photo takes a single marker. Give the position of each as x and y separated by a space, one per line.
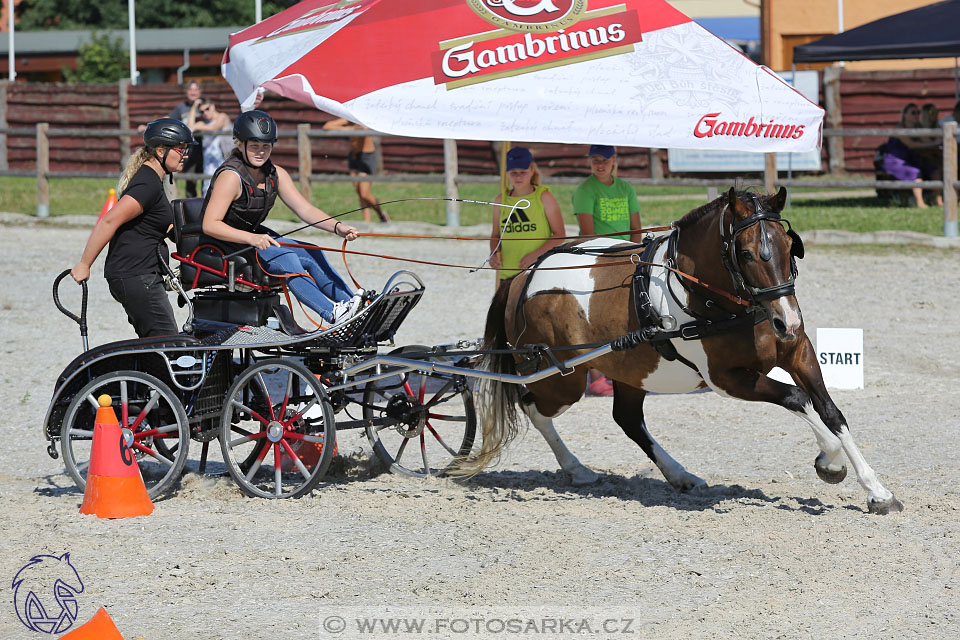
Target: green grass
860 214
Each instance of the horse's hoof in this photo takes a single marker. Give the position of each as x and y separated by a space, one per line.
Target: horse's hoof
693 485
884 507
583 476
825 474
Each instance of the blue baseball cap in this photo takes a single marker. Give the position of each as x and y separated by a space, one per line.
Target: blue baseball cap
519 158
604 150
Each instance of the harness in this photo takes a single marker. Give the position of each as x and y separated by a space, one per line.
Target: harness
252 207
659 330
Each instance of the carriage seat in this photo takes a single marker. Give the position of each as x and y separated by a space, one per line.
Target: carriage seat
201 257
202 266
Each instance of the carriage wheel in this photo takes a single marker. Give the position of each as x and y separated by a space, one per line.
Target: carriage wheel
421 423
277 430
161 433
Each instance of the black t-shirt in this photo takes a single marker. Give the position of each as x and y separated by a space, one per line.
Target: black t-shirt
133 248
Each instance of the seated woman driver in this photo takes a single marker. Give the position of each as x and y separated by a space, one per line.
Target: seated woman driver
242 192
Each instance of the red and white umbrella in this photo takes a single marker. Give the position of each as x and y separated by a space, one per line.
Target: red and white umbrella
626 72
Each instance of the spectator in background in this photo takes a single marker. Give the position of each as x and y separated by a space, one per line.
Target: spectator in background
606 204
216 148
603 202
901 158
194 162
953 116
530 231
361 161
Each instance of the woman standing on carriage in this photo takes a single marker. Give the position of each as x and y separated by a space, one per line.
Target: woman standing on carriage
241 194
534 229
136 225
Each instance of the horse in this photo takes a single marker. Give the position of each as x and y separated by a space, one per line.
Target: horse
711 304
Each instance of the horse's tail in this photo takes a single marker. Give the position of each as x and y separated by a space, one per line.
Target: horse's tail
497 401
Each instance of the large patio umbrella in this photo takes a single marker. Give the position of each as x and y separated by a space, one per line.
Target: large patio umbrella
628 72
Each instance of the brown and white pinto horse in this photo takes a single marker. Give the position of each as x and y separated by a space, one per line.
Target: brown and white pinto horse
736 244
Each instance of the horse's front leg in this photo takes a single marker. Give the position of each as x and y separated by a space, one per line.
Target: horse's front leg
833 433
817 408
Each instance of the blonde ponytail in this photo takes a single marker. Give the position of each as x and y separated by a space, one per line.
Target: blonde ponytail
133 165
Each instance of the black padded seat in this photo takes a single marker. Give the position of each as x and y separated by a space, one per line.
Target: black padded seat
194 246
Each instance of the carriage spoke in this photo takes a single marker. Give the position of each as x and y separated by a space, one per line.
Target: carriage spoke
154 399
403 445
302 411
423 454
159 431
124 404
440 440
287 394
251 437
296 459
277 471
446 418
249 411
266 395
154 454
93 401
256 464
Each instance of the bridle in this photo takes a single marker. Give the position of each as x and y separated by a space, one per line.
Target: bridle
728 251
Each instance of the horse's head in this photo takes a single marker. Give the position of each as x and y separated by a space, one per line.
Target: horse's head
759 249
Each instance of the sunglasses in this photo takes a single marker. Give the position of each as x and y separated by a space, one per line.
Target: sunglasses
183 150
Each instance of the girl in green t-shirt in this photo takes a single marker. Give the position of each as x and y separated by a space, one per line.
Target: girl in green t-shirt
530 231
603 202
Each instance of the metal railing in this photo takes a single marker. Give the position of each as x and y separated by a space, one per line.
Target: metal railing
451 177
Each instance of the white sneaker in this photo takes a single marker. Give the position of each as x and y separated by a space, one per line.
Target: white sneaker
346 309
341 311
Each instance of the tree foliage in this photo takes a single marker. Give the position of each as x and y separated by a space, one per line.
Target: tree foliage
101 59
155 14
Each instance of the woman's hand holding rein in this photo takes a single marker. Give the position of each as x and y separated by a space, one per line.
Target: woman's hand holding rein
262 241
345 231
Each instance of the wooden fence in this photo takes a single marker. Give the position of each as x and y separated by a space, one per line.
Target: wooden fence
305 174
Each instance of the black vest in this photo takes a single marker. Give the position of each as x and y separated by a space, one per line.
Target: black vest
252 207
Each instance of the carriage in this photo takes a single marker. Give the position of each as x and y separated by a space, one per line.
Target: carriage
689 309
244 373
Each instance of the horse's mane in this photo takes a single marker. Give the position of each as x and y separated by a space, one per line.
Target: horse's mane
715 205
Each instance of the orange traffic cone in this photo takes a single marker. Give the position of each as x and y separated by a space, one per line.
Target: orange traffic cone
99 627
114 486
111 200
308 452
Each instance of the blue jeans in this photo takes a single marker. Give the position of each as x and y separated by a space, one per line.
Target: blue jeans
320 290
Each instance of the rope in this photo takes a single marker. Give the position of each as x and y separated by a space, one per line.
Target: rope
344 251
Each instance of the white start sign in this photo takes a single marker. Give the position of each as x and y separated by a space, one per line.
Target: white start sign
840 355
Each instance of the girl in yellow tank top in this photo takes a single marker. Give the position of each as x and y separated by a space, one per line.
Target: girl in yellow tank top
528 231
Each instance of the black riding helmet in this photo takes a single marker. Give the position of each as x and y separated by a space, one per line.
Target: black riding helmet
254 125
169 133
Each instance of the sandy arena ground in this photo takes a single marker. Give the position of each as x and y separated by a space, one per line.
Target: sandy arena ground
768 551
